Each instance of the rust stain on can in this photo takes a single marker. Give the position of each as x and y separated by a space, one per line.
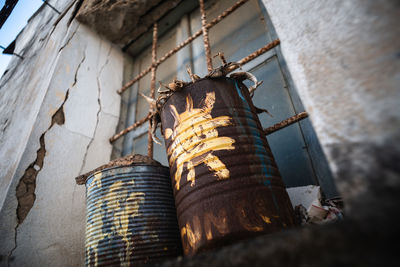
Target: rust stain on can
131 216
226 182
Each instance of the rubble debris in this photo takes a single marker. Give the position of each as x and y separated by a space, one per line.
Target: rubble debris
319 211
316 212
301 215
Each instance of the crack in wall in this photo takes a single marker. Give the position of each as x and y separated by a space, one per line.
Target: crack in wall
3 125
25 190
62 15
69 39
98 111
75 11
77 69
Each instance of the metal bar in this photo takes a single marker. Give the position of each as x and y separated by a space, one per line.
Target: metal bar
224 14
13 53
206 39
6 10
259 52
285 123
152 87
243 61
130 128
222 57
52 7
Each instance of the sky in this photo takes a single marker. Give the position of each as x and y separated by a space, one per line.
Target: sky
14 24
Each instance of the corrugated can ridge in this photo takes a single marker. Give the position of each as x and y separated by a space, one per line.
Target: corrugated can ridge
131 217
226 182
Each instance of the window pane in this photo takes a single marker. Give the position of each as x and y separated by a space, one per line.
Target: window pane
160 153
140 145
166 72
287 145
242 34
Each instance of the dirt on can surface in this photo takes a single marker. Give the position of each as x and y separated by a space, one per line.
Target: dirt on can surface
226 183
131 217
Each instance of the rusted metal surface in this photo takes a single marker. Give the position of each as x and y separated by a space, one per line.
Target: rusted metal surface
223 15
131 216
206 39
152 87
259 52
226 182
199 32
285 123
130 128
222 57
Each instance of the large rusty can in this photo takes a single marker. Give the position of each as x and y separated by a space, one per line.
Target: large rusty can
226 183
131 217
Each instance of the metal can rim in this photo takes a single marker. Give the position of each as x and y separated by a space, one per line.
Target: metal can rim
123 166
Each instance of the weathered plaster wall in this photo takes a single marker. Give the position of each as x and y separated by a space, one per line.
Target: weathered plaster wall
344 59
58 107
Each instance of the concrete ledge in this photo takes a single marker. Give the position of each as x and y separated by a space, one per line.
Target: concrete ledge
366 236
126 20
348 243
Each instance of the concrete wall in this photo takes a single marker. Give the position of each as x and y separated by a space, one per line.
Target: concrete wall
58 107
343 57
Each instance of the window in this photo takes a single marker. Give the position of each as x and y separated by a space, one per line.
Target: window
295 148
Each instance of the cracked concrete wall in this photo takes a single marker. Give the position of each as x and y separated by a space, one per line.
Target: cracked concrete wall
343 57
58 107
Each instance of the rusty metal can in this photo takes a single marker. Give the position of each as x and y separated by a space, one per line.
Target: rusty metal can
226 183
131 217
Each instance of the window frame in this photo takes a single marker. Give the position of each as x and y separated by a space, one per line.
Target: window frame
318 161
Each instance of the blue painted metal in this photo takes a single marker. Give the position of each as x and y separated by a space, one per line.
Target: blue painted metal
131 216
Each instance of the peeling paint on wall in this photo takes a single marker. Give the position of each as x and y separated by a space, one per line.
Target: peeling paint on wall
25 191
26 187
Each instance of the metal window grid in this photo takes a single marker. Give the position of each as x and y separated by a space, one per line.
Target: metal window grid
203 31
